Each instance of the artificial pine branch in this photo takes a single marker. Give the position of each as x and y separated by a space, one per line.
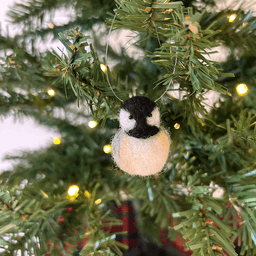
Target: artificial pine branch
85 77
181 39
239 34
40 220
32 16
208 148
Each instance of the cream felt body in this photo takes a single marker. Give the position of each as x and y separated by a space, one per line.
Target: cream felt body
141 156
141 146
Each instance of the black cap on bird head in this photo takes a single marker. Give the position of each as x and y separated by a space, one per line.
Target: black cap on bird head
140 107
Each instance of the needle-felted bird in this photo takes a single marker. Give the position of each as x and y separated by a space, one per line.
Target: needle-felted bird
141 146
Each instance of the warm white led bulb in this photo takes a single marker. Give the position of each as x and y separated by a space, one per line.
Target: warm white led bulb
177 126
73 190
103 68
56 140
51 92
242 89
51 25
92 124
232 17
107 149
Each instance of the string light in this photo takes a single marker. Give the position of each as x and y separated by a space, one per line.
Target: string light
103 68
87 194
51 25
232 17
73 190
177 126
51 92
56 140
44 194
92 124
98 201
107 149
242 89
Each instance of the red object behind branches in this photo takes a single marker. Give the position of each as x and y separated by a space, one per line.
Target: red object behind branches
126 213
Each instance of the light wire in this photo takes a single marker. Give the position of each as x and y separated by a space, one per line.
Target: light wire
168 86
106 59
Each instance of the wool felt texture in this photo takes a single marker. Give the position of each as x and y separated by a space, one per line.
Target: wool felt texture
141 146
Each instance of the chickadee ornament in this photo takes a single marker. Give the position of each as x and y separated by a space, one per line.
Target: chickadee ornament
141 146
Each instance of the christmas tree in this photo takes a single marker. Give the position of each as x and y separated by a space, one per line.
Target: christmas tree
70 198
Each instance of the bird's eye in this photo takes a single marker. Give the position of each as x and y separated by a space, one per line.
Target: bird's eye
150 114
130 116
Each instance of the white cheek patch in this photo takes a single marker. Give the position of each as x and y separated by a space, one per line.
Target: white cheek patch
126 123
154 120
